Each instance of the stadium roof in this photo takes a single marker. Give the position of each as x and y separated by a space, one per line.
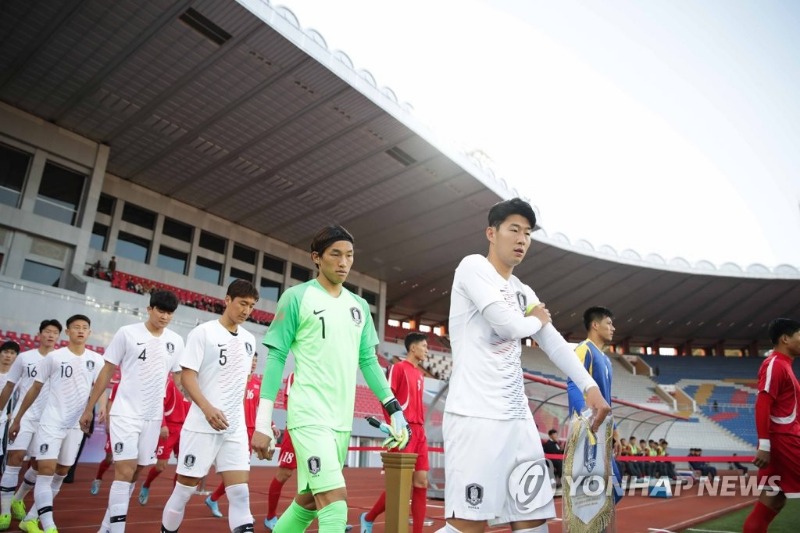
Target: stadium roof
259 123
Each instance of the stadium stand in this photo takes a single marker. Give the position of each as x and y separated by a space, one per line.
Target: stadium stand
27 341
735 369
140 285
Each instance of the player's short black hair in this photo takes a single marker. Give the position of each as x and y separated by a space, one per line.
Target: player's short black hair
164 300
329 235
780 327
516 206
241 288
413 338
595 313
552 431
50 322
9 345
73 318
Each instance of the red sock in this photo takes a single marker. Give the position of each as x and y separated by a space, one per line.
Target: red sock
151 475
759 518
101 469
217 494
273 496
377 509
419 504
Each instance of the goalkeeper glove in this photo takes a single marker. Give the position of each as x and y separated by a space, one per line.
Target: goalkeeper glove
397 429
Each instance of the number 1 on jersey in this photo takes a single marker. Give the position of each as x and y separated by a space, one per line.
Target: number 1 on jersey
322 319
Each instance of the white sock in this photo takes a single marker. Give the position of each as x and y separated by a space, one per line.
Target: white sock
8 485
238 505
43 494
118 498
28 482
58 480
176 505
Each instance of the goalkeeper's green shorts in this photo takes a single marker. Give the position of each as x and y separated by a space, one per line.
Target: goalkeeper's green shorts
321 453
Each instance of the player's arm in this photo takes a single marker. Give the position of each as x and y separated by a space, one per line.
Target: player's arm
8 390
98 390
104 406
30 397
215 418
764 402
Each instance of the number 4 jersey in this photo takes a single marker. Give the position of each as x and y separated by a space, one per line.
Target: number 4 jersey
70 377
144 362
222 361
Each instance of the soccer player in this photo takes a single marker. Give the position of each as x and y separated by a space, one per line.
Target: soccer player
70 371
491 310
216 363
330 332
144 352
21 376
287 464
252 396
599 324
9 351
408 385
176 407
777 425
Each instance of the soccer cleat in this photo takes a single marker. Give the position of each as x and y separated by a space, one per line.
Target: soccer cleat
5 521
214 506
144 495
18 511
95 487
347 528
366 527
30 526
269 523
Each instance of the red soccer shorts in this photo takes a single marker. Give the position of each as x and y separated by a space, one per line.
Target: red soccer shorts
287 458
784 464
418 444
170 444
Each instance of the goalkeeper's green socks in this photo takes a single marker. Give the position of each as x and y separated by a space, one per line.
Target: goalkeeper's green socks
296 518
333 517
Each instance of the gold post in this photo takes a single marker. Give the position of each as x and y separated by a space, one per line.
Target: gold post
398 468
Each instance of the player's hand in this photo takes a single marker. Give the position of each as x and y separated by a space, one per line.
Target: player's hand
760 460
13 430
216 418
101 414
86 421
164 432
598 405
263 445
398 430
541 312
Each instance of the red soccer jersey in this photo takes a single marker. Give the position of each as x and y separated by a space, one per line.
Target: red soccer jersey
176 405
252 396
408 385
776 378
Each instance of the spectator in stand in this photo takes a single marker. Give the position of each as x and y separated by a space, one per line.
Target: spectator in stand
552 446
112 267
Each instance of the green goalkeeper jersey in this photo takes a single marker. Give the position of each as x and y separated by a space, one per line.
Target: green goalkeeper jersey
330 337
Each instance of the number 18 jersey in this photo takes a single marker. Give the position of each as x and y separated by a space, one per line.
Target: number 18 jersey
222 361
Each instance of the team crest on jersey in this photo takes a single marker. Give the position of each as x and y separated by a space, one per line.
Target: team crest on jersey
249 348
314 465
90 365
170 348
522 300
43 448
474 494
355 313
189 461
118 446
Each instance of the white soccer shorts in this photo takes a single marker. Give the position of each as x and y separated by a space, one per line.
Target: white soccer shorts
226 451
57 443
133 438
26 438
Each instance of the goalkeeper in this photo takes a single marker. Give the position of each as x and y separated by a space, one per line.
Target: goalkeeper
331 334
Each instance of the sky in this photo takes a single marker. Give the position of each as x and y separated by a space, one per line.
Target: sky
666 127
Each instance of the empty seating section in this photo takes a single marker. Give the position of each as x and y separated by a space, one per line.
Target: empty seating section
131 283
366 403
734 408
29 341
669 370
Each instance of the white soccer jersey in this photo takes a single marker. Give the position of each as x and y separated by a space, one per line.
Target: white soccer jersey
144 362
487 373
71 377
222 361
3 412
23 371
